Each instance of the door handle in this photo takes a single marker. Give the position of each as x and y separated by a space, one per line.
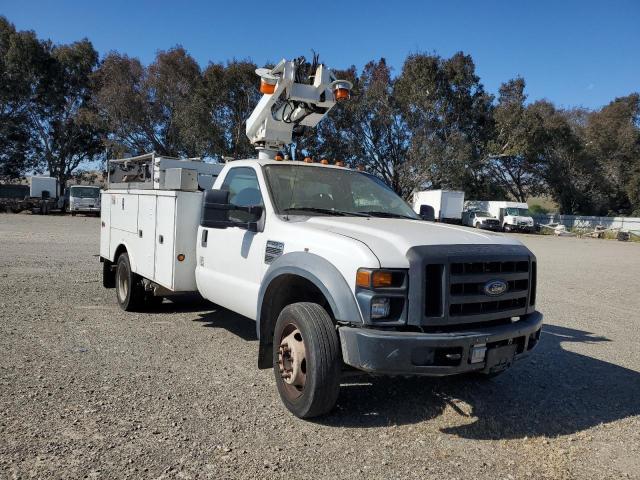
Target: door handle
205 237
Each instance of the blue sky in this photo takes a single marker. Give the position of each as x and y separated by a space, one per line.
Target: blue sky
574 53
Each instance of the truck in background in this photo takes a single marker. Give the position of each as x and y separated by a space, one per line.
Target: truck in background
447 204
480 219
41 196
12 196
513 216
83 199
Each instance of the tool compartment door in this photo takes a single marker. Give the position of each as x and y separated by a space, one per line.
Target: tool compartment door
105 224
124 212
146 250
165 240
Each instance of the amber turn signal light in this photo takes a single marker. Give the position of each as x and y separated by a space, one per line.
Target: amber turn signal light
381 279
181 257
267 88
367 278
363 278
341 94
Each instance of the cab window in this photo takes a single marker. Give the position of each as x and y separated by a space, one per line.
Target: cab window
244 191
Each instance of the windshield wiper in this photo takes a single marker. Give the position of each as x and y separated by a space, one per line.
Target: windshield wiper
327 211
380 214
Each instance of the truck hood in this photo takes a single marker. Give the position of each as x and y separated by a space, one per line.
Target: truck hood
390 238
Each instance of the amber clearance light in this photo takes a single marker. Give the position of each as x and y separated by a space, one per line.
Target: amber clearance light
267 88
341 90
367 278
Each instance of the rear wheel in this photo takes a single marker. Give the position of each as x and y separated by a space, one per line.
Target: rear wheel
129 289
306 359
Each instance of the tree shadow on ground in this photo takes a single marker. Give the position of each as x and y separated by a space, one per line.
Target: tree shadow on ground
553 392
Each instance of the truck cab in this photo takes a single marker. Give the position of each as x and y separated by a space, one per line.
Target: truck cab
516 217
84 199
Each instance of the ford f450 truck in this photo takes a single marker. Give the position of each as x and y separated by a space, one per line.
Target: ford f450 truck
337 271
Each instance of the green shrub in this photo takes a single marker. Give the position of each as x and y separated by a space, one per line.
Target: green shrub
536 209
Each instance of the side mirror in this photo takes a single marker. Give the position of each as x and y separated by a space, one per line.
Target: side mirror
215 209
427 213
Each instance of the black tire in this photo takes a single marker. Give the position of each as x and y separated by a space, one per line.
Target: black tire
129 291
321 365
73 214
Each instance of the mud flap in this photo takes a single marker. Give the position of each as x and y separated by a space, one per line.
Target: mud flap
499 358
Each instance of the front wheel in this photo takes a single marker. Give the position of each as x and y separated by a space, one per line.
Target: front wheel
306 359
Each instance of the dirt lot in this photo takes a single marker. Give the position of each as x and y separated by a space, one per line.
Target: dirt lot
89 391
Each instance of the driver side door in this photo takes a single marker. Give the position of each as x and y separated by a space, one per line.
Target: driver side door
230 259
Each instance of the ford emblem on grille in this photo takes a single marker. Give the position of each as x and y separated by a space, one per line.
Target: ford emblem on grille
493 288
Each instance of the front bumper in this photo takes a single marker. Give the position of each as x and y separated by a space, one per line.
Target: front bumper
522 228
495 228
410 353
85 209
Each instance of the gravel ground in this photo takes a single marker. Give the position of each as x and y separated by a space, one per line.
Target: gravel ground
87 390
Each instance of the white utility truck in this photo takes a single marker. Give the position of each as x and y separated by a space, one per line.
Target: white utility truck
84 199
338 272
447 204
513 216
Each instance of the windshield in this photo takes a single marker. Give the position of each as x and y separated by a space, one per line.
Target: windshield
85 192
518 212
308 190
483 214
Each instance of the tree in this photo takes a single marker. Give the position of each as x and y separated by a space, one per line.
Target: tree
448 114
612 136
58 118
162 108
571 176
369 129
515 152
233 94
21 61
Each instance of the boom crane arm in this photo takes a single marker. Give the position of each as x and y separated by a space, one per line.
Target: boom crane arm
291 102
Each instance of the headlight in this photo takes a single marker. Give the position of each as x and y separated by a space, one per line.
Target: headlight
380 307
